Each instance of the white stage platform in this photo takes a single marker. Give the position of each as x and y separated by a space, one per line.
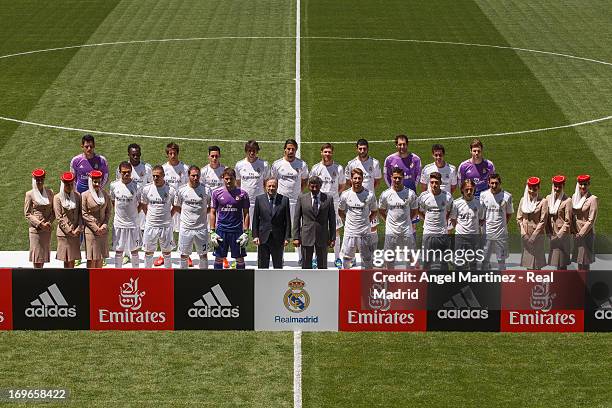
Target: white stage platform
19 259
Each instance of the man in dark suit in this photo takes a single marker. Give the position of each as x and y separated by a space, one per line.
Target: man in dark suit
271 225
314 224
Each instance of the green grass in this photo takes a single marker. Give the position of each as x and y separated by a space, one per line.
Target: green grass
153 368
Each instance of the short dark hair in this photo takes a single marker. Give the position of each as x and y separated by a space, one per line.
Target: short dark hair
327 146
476 143
315 180
495 176
133 146
437 146
88 138
193 167
125 165
290 141
229 172
158 167
172 146
251 145
214 148
435 175
398 137
362 142
396 170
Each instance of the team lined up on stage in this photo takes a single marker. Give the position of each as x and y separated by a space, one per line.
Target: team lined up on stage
216 206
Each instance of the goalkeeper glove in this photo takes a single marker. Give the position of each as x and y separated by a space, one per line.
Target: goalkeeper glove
215 239
243 239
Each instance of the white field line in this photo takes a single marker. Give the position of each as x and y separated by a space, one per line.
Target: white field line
297 335
297 369
297 39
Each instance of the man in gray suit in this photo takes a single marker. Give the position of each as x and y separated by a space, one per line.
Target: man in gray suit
271 225
314 224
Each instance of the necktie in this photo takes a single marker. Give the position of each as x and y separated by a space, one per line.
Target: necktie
271 204
315 204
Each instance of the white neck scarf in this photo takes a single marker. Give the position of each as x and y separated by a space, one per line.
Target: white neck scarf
38 197
98 197
68 201
553 205
528 205
577 199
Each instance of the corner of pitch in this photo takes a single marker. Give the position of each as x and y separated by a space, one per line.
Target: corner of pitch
383 292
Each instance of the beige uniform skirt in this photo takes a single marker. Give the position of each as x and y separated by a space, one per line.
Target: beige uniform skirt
40 246
68 249
96 246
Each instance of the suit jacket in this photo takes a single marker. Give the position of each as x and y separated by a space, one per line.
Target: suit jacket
95 215
68 220
311 229
37 214
276 225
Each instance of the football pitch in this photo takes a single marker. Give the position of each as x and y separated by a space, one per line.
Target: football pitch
533 80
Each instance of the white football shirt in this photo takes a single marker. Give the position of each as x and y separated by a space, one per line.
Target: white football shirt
332 177
194 203
398 205
371 171
496 208
448 172
290 176
211 178
252 176
176 176
468 215
435 208
357 207
159 203
126 198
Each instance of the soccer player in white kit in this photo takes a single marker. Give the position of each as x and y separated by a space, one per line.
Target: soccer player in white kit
193 200
158 204
497 204
357 208
372 175
398 206
125 196
467 216
435 206
333 179
141 174
251 173
211 173
448 171
292 175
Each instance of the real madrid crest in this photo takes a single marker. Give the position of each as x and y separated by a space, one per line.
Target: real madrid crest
296 298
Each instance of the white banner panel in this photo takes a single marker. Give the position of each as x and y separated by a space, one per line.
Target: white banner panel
292 300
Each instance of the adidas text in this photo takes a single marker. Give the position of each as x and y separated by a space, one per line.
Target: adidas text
463 314
51 311
214 312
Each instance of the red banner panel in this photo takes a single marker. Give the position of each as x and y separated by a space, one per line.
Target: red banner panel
6 299
382 301
543 301
132 299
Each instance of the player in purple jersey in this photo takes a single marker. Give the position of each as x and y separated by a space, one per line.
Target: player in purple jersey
477 168
405 160
229 221
82 164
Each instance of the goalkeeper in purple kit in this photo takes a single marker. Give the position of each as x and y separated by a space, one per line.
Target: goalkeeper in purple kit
229 221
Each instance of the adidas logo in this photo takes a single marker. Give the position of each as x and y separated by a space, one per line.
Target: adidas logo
463 305
214 304
605 310
50 303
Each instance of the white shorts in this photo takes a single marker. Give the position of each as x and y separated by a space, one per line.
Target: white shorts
188 238
176 222
365 244
252 211
394 241
126 239
154 234
292 205
499 247
339 223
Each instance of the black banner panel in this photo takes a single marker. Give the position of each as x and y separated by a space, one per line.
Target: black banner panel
51 299
470 301
598 302
212 299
